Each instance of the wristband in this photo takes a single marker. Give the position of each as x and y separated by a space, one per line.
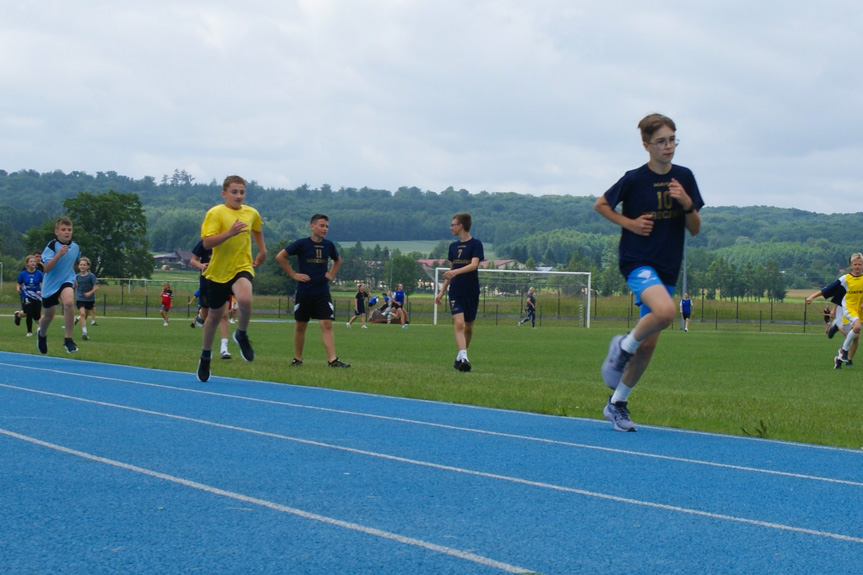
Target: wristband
690 210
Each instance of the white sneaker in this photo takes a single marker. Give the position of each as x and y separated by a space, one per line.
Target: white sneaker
348 324
165 324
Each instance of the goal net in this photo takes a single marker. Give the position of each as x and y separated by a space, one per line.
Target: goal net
561 297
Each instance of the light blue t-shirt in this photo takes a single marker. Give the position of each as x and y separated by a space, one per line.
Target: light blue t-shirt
63 271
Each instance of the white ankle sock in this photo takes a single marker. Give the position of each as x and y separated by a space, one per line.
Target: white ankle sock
629 343
621 393
846 345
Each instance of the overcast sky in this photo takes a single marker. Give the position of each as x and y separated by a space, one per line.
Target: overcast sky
527 96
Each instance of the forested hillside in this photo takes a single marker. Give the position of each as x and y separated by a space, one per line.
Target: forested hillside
553 230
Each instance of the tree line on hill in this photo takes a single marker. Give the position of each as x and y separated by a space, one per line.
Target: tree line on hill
736 247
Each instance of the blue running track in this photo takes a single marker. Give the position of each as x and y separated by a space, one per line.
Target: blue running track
114 469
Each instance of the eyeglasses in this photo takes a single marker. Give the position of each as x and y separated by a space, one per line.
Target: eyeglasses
454 225
662 142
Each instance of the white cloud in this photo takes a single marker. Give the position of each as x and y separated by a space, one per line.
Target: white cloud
540 97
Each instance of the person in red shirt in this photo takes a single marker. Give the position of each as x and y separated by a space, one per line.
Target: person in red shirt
167 299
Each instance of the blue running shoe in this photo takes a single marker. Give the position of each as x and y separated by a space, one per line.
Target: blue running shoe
618 414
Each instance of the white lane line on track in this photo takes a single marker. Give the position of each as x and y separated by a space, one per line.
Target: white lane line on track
465 555
466 429
328 390
495 476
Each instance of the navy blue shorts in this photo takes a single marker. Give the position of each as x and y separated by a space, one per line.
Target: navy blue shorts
464 305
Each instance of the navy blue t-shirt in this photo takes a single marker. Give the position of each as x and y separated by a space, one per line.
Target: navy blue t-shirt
203 253
644 191
204 256
460 254
314 261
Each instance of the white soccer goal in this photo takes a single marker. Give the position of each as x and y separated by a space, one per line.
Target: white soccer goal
560 296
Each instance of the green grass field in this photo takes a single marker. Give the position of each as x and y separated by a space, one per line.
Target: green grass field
762 383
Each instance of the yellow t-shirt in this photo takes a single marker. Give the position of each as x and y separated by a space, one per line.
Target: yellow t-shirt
853 294
234 255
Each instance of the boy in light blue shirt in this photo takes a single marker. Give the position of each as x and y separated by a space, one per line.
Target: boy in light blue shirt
58 284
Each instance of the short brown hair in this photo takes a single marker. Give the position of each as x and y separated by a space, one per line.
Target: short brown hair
317 217
63 221
651 123
232 180
464 219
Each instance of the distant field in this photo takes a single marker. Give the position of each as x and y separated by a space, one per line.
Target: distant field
422 246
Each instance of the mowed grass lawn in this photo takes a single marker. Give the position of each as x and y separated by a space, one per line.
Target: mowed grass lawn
765 384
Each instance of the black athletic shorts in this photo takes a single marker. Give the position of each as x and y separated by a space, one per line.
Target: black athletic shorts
313 306
54 298
219 294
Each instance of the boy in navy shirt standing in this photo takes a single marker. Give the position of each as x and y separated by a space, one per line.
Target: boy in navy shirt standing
660 202
313 287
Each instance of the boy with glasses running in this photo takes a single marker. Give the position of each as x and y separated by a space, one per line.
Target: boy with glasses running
660 202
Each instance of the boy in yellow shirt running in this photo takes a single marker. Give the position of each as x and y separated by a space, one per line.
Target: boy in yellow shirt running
228 230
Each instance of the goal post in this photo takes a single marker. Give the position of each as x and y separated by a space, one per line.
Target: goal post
560 296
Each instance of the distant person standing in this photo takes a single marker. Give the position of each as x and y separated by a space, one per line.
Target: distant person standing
685 310
530 308
660 203
58 284
461 284
86 285
397 305
167 298
359 306
313 287
831 312
228 230
30 290
232 309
